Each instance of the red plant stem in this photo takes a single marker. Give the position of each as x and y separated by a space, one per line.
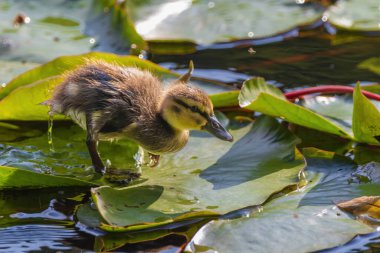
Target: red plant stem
328 89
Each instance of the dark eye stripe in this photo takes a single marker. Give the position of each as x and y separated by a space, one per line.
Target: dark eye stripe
178 101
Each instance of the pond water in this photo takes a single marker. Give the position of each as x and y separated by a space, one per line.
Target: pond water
44 221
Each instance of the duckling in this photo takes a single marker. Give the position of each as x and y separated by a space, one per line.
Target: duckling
111 102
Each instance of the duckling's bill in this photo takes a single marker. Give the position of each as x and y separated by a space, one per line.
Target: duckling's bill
214 127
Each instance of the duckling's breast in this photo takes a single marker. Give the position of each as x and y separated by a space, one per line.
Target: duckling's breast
159 145
157 136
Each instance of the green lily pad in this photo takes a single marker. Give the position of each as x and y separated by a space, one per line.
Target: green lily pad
206 22
353 15
197 181
298 217
259 96
12 178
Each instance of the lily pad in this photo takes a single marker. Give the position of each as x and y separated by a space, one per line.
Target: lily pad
353 15
259 96
12 178
298 217
206 22
262 160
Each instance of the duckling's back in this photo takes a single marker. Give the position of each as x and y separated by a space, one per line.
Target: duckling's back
106 98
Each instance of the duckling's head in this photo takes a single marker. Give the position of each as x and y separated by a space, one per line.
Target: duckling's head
188 108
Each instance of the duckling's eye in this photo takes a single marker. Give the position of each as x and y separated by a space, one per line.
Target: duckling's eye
194 109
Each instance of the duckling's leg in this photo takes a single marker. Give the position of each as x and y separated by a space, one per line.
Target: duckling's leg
92 143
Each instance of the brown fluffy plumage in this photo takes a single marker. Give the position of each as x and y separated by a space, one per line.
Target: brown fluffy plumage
112 102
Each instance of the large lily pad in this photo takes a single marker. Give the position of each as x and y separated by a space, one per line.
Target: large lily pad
299 217
261 161
206 22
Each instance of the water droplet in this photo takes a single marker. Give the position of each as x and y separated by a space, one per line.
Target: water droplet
300 1
211 5
133 46
3 85
325 18
141 56
92 40
251 34
50 133
27 20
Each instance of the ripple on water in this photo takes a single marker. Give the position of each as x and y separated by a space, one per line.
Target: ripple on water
28 238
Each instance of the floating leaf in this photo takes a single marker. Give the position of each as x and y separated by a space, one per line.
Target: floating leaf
261 161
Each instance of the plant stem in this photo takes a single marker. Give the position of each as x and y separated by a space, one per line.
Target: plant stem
328 89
